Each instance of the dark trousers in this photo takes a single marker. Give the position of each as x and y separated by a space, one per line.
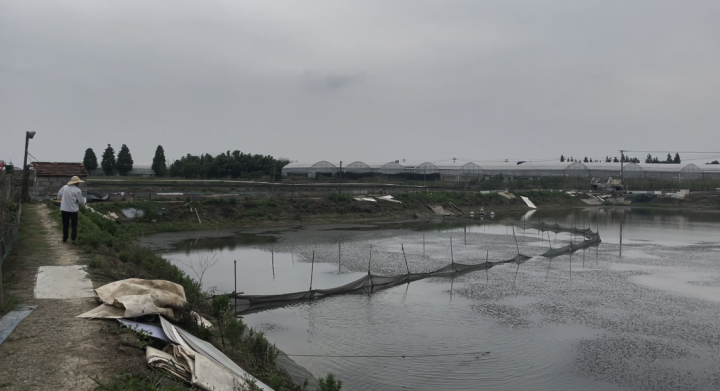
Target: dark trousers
67 218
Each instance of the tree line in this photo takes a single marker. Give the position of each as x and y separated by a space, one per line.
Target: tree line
124 161
626 159
608 159
669 159
227 165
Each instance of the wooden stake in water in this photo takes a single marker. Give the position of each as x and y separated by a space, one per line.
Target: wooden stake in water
548 270
406 263
487 265
339 267
621 239
423 244
570 267
465 232
235 262
516 272
516 243
272 254
370 260
549 242
452 260
312 267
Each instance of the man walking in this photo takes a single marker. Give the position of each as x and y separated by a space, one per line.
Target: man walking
71 198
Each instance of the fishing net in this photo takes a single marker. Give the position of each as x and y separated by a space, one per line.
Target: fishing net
373 282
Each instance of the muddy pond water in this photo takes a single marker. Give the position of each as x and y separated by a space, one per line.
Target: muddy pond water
640 312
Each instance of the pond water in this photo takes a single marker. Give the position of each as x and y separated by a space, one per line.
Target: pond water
638 313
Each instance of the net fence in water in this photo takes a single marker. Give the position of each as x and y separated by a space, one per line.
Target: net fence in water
373 282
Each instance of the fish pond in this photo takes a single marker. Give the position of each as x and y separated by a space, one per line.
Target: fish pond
641 311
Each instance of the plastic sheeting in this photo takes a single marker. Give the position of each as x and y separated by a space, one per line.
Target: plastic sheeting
136 297
205 349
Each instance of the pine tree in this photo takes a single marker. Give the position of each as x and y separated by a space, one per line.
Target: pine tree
90 160
586 160
158 164
676 160
562 158
616 160
108 160
648 159
124 160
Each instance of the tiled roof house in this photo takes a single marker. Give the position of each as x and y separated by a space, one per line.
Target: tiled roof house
50 177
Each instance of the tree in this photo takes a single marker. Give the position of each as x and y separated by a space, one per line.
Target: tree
158 164
668 159
108 160
713 162
616 160
649 158
90 160
586 160
562 158
676 160
124 160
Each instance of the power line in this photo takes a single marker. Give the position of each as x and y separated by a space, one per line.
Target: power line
476 354
670 151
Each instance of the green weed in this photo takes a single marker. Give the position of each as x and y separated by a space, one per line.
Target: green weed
329 383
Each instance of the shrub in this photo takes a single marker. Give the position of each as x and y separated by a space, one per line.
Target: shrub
329 383
339 198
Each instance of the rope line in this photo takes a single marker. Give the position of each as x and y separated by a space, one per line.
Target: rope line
391 356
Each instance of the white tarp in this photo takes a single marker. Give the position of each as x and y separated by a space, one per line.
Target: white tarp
135 297
368 199
528 202
210 352
194 368
389 198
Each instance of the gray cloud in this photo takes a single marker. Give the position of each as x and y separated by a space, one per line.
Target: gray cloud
403 79
329 80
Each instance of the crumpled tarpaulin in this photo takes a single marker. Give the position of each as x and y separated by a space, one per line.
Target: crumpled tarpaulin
209 368
193 368
135 297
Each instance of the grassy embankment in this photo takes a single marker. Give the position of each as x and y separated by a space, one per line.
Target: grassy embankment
222 213
113 255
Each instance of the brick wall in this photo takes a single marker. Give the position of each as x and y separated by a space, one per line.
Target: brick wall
48 186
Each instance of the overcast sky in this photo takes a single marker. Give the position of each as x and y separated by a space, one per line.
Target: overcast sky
359 80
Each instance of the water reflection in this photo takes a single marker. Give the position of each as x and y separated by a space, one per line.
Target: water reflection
641 316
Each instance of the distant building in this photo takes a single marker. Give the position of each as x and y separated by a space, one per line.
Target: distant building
141 170
50 177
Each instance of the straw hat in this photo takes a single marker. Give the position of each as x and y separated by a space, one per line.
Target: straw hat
75 180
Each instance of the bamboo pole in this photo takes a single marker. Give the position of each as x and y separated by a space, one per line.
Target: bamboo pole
370 260
235 262
312 266
487 265
406 262
452 259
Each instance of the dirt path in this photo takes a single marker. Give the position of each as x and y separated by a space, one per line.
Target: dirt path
52 349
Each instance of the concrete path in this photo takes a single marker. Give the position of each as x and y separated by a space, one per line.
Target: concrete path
52 349
63 282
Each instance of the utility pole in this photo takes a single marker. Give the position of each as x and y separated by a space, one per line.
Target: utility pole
340 176
622 170
26 170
